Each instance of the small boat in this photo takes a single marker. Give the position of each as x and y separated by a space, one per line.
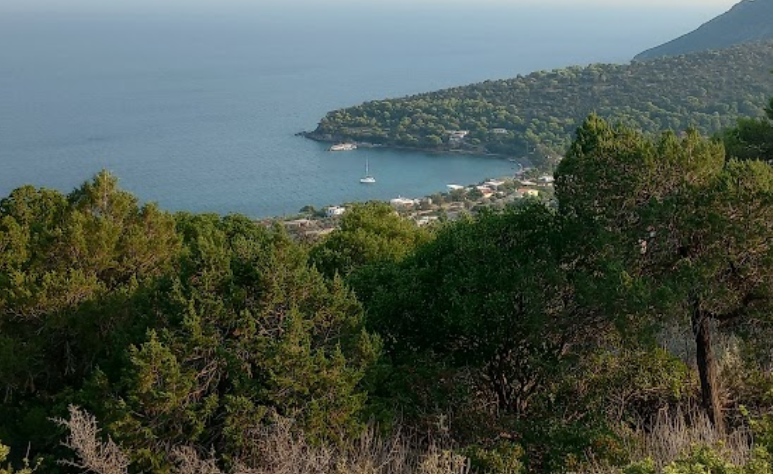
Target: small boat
368 179
343 147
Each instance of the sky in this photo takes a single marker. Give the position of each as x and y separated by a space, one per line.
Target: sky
688 14
187 4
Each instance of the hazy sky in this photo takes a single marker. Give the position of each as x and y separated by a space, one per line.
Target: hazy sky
64 4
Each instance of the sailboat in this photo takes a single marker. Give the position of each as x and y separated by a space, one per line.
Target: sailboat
368 179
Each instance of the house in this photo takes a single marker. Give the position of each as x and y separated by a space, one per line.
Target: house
426 220
494 183
485 191
402 203
526 192
547 179
334 211
499 131
298 223
456 137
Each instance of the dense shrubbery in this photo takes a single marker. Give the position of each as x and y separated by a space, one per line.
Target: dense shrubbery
538 339
172 329
708 91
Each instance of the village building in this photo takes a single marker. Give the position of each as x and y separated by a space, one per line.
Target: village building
299 223
402 203
485 191
528 192
334 211
494 183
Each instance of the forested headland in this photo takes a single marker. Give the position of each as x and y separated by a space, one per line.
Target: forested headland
624 328
534 116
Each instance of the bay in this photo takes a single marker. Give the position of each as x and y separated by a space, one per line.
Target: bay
197 109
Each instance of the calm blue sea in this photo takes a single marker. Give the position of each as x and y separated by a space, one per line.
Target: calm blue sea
197 109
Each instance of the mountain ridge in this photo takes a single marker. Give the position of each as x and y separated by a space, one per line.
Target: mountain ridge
747 21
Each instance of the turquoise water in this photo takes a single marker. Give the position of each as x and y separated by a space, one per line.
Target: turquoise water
198 111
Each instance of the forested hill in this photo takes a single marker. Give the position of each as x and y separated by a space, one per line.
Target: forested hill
706 90
750 20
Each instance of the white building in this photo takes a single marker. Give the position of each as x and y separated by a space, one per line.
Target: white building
494 183
456 137
334 211
401 202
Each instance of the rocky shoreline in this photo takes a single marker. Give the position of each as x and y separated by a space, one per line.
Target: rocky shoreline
310 224
332 139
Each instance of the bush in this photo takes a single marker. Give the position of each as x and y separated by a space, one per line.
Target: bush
706 460
505 458
4 452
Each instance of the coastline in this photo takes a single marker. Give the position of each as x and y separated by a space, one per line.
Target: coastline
310 223
332 139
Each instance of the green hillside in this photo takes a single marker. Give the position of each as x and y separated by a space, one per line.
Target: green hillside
623 329
707 90
750 20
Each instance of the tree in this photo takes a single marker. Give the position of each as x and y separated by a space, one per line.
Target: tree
248 329
486 294
686 232
751 138
368 233
69 268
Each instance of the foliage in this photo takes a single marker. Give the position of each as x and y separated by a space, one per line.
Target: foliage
172 329
69 268
368 233
708 91
484 294
705 460
251 331
283 450
502 459
751 138
4 451
529 339
688 228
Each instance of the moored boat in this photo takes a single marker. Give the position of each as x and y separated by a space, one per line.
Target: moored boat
367 179
343 147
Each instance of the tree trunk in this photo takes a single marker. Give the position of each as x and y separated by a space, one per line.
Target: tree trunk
707 366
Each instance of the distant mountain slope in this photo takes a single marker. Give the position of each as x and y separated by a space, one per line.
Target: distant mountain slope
707 90
750 20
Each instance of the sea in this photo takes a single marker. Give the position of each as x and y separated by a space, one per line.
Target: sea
196 105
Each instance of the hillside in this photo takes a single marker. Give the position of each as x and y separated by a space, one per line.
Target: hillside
567 338
750 20
513 117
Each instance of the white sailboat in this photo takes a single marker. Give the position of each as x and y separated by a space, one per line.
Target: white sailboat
368 179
